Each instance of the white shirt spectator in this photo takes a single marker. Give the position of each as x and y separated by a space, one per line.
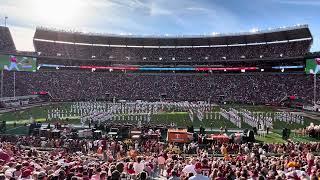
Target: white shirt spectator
189 169
138 167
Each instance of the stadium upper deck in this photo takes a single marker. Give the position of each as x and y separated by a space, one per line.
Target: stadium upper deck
280 34
6 41
283 44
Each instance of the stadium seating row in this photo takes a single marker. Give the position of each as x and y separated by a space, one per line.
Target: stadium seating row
205 54
245 88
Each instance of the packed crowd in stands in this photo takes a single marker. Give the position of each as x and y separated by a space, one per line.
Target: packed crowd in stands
277 50
6 41
109 159
245 88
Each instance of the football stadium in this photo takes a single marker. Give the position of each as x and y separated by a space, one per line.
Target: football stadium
240 105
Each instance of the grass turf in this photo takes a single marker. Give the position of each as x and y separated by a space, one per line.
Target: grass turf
276 137
271 138
39 112
182 119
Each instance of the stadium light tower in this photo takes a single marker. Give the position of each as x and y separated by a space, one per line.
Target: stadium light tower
1 86
5 21
315 89
14 84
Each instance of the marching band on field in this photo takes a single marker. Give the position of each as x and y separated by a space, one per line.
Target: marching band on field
143 111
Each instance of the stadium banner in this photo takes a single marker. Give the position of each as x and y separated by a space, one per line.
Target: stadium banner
18 63
313 66
225 68
110 67
287 67
166 69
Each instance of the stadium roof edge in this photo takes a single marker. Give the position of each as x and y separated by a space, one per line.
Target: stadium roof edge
279 34
137 46
177 36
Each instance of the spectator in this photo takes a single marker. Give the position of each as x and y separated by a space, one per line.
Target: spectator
198 175
138 166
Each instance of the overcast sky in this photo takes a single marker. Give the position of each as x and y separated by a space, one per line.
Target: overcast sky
157 17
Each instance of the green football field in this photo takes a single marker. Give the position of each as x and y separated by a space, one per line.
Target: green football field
181 119
16 120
